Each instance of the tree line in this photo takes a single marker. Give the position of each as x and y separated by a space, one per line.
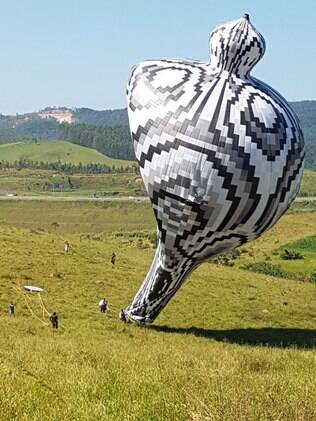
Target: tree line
116 117
68 168
111 141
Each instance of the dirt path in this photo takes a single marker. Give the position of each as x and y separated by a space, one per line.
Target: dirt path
305 199
78 198
106 198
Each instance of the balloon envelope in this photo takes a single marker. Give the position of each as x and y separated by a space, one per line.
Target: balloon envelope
220 153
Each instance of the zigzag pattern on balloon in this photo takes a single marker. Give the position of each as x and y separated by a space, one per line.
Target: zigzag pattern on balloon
220 152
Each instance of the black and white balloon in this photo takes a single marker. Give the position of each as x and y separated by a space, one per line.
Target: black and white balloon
220 152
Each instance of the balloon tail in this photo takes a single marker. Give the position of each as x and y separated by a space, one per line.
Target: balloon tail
159 286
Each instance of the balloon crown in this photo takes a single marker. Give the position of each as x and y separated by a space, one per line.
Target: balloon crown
236 46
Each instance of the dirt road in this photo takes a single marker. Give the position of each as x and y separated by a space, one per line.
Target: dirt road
106 198
78 198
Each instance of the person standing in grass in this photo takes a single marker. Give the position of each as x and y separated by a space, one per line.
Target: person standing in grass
66 246
54 320
122 316
103 305
12 309
113 259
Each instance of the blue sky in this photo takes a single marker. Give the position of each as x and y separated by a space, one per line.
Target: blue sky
79 53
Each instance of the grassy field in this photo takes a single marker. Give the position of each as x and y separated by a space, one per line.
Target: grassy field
232 344
41 182
308 187
53 151
25 182
77 217
285 235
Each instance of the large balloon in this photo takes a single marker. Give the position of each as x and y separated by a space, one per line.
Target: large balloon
220 152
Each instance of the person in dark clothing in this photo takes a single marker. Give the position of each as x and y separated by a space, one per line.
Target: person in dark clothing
12 309
54 320
122 316
113 258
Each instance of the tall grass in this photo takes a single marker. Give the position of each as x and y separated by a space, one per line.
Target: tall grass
231 345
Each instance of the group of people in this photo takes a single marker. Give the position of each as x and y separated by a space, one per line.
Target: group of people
68 248
104 308
53 318
103 304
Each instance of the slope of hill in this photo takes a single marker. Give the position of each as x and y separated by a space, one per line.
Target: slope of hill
53 151
45 124
231 345
27 126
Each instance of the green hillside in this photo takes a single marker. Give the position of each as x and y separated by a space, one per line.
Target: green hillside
53 151
231 345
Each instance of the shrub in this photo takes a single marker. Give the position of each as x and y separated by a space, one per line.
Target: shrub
312 277
152 237
288 254
139 243
226 259
267 268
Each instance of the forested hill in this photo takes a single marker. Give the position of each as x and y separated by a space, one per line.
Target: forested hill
306 111
101 118
107 131
111 141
